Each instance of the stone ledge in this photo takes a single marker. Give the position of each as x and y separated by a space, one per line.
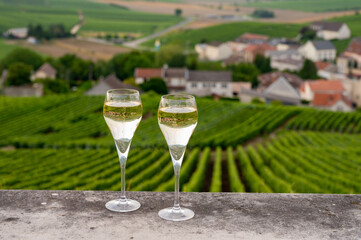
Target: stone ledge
82 215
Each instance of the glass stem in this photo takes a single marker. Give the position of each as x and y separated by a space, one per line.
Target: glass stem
123 162
176 206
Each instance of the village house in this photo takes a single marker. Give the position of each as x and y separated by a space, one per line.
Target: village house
331 30
349 62
310 88
319 50
214 51
3 77
105 84
175 78
46 71
250 52
16 33
144 74
244 40
283 87
238 87
332 102
287 64
328 71
206 83
284 54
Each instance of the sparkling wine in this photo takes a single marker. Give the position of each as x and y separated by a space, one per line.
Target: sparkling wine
177 125
122 119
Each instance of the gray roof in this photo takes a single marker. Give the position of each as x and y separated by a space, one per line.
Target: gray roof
48 69
278 53
323 45
113 82
330 26
215 44
175 72
210 76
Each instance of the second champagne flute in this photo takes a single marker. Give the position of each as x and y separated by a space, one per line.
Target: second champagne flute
177 118
122 113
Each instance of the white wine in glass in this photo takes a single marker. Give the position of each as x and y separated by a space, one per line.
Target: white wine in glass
122 112
177 118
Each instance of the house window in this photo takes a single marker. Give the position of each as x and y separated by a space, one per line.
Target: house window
224 85
204 85
194 85
213 85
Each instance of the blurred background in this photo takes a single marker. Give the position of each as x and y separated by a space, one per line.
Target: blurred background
277 85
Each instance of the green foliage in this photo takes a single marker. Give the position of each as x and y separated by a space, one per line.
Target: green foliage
257 101
22 55
262 63
234 177
262 13
178 12
196 181
155 84
216 184
244 72
124 64
307 34
54 31
172 55
56 86
276 103
309 70
19 74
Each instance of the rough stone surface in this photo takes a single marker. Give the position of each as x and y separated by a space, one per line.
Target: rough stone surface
82 215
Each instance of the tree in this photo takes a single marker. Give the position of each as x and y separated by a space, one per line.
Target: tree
52 86
262 13
124 64
23 55
155 84
178 12
171 55
307 34
177 60
19 74
245 72
309 70
262 63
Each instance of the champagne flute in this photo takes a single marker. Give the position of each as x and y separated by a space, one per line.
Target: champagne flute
122 113
177 118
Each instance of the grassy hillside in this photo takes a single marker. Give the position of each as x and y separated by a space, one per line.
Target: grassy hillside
62 142
99 17
308 5
226 32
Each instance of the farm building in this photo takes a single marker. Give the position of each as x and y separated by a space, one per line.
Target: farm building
213 51
249 53
331 30
16 33
319 50
46 71
104 84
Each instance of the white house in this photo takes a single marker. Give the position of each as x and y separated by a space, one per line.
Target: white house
349 62
213 51
331 30
205 83
176 79
287 64
45 71
332 102
16 32
110 82
318 50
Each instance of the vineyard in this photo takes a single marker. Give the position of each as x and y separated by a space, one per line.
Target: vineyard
62 142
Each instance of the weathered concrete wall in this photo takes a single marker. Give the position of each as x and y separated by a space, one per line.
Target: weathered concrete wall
82 215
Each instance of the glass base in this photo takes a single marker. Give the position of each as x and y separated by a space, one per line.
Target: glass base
176 215
120 206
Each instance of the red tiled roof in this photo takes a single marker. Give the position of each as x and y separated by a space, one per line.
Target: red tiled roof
259 48
326 86
354 46
254 36
322 65
328 100
148 72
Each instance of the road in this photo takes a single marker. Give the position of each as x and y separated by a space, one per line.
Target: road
135 43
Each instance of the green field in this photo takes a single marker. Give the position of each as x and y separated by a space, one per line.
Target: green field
99 17
226 32
5 48
62 142
308 5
